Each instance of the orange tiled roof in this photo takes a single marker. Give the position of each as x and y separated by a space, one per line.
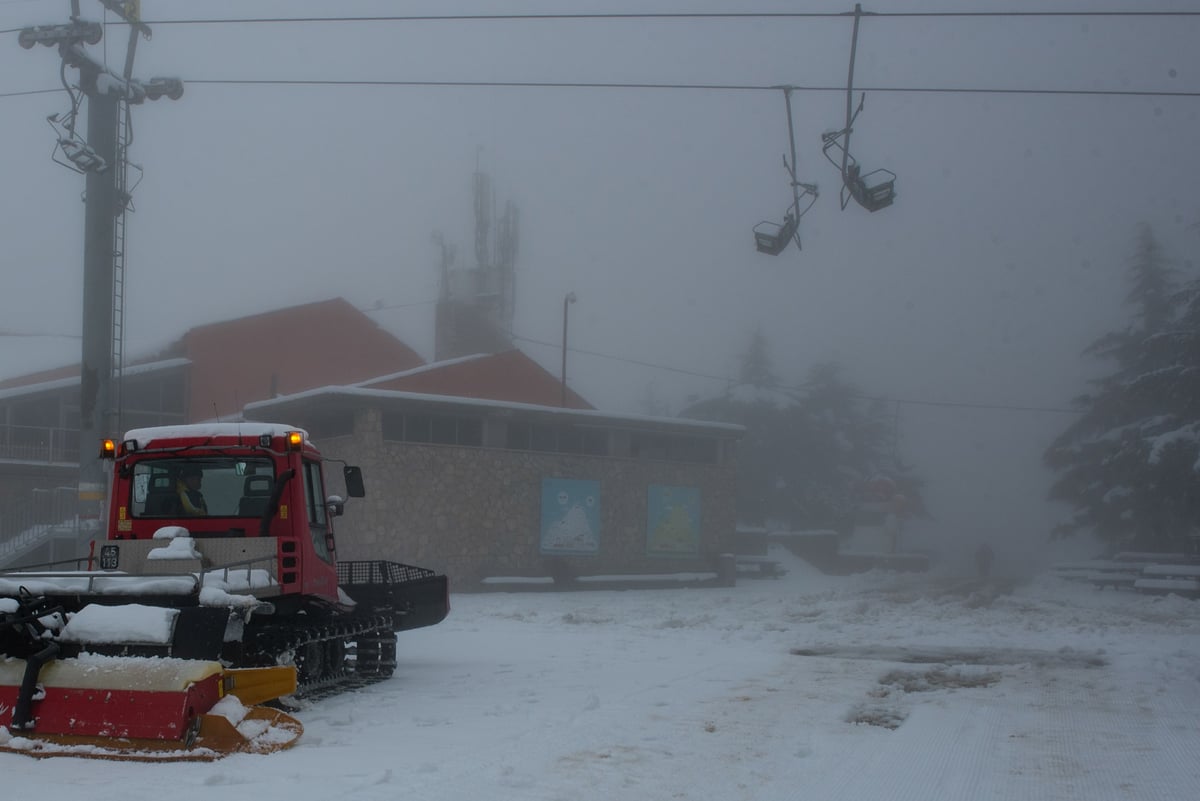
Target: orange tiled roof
510 376
284 351
330 343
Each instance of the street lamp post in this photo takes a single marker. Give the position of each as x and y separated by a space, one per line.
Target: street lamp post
567 301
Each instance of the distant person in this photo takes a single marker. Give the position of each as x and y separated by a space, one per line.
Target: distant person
983 560
188 488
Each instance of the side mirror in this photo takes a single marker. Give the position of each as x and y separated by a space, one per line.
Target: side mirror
354 481
335 505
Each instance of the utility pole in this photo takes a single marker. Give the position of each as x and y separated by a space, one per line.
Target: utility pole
96 367
567 301
102 159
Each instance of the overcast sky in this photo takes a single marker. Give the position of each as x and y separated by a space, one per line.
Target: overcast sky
1003 256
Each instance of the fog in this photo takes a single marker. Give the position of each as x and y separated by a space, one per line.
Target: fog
1002 258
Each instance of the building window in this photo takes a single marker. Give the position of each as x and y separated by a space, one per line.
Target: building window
330 425
470 431
552 437
545 437
673 447
595 442
173 393
437 429
692 449
418 428
517 435
648 446
556 438
570 440
443 430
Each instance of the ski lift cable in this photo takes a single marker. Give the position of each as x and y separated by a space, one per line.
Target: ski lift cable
1004 407
791 167
875 195
796 183
772 238
717 16
850 93
727 87
75 100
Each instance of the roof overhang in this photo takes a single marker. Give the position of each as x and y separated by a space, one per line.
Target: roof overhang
73 381
326 400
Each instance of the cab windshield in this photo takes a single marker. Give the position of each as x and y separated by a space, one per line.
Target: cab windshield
209 487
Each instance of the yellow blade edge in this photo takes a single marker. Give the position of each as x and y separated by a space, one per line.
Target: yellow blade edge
262 731
254 686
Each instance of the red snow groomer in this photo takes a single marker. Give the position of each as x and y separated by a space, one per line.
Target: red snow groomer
217 589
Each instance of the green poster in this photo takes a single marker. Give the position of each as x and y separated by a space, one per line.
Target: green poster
673 520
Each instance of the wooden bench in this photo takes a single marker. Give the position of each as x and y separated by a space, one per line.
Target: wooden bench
1163 579
1102 573
758 567
1117 579
1146 572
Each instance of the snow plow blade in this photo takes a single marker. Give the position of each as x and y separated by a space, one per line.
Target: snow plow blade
254 686
150 710
262 731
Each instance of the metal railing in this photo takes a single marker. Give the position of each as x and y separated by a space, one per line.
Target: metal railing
228 574
60 542
43 444
82 576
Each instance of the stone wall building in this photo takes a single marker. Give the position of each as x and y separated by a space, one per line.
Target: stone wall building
486 490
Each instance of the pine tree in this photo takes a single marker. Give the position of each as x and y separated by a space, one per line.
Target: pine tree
1129 465
758 403
756 364
805 452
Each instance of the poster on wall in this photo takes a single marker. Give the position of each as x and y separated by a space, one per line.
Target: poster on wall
673 521
570 517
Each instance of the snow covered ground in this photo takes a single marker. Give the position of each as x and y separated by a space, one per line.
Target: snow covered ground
876 686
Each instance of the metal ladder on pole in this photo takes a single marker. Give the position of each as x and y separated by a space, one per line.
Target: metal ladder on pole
118 309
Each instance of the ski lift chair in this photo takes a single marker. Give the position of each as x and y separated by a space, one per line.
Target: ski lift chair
771 238
874 191
870 192
77 154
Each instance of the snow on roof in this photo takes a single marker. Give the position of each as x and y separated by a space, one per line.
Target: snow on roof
152 367
145 436
391 394
769 396
43 386
425 368
73 380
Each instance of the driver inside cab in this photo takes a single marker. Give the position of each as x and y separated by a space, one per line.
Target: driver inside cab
188 489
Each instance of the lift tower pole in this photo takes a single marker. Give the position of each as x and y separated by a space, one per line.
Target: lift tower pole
102 159
96 367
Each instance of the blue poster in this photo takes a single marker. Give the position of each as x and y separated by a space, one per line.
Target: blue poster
673 520
570 517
